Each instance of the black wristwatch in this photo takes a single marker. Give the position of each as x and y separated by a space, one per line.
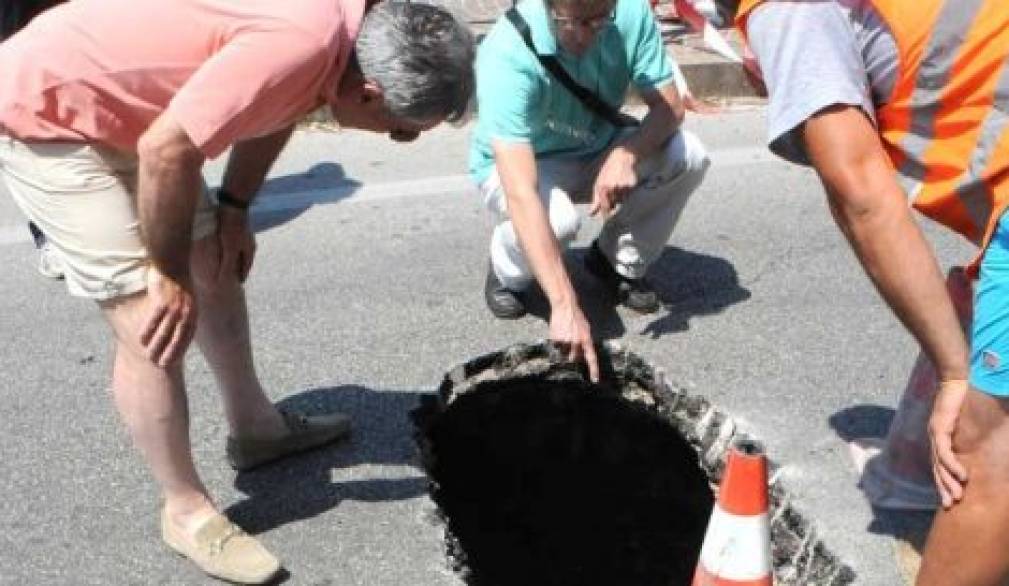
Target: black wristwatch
226 199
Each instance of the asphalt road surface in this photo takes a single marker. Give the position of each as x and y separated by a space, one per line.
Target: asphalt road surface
367 288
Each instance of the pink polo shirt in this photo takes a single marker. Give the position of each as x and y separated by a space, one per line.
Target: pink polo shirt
226 70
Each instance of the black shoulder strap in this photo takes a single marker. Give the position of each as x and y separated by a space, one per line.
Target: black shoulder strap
590 100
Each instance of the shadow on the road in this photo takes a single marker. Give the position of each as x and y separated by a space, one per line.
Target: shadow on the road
598 305
909 529
327 179
861 421
689 283
302 486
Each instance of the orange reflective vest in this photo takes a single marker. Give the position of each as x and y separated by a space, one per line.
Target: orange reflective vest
945 126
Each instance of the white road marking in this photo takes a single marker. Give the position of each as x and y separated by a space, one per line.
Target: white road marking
720 159
353 191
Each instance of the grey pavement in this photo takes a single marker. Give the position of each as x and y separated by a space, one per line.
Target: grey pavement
367 289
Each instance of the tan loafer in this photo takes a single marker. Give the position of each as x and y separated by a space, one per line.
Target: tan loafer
221 549
304 433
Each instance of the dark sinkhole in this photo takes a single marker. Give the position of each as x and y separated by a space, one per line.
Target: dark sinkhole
561 482
544 479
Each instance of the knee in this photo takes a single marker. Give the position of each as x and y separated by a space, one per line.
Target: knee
126 316
687 152
681 165
566 229
564 219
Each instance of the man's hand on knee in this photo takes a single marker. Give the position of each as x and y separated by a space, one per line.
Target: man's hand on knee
171 318
950 474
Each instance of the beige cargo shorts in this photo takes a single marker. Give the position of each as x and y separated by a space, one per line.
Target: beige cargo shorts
83 197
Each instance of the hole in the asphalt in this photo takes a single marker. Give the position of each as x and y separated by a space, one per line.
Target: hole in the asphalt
562 483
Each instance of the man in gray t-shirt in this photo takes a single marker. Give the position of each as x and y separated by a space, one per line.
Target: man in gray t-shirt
831 69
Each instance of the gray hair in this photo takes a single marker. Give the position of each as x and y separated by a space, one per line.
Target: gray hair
422 58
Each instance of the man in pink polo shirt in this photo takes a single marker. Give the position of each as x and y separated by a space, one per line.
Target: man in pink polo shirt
108 110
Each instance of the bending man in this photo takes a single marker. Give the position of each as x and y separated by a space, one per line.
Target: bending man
108 110
860 90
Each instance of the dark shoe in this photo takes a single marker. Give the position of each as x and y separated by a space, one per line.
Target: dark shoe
634 294
502 302
304 432
50 261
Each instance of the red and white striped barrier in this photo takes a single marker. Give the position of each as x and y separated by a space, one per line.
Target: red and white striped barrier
737 544
717 43
712 38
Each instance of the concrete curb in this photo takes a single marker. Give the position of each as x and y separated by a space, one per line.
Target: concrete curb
709 75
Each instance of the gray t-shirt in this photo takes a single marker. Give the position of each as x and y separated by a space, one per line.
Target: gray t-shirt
815 54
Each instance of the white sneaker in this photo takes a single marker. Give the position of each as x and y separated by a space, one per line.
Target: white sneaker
50 262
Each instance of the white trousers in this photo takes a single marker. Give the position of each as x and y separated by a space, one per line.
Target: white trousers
635 234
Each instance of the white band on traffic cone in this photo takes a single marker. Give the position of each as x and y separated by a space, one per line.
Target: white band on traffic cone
736 549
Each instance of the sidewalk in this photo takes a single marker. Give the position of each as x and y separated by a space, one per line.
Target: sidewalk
709 75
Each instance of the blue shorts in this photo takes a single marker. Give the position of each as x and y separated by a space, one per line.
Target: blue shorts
989 352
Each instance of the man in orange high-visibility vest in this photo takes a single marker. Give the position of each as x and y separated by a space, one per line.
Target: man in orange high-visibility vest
897 100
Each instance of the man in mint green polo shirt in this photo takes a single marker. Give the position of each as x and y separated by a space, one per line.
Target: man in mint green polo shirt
538 150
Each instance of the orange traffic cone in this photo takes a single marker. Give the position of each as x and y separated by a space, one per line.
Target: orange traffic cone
737 544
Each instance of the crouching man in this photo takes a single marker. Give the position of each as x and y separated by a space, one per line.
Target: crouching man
539 149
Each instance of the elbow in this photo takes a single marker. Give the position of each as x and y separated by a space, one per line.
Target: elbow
666 112
520 199
672 113
856 215
678 111
168 151
862 195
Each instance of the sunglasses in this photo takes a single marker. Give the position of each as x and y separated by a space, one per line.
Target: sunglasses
592 23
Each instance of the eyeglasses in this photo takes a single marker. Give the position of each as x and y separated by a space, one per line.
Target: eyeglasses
592 23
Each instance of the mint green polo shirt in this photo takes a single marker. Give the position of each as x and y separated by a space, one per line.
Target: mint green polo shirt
519 101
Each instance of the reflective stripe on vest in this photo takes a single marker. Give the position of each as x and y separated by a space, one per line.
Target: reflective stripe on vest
946 123
974 190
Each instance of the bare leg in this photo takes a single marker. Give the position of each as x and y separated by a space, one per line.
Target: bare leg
152 403
966 545
223 336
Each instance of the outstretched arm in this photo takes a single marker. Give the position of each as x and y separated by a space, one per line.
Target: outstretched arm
516 165
872 211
